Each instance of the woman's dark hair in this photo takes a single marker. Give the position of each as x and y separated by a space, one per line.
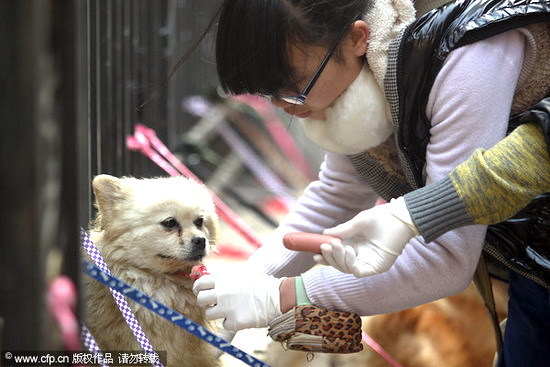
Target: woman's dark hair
252 53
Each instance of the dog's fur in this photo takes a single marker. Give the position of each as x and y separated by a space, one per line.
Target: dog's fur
148 231
453 332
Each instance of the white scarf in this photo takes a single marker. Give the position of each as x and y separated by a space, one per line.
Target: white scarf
360 119
356 121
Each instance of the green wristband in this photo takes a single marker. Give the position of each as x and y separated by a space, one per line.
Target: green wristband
301 295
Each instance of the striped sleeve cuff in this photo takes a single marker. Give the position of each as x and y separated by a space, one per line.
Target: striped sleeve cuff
436 209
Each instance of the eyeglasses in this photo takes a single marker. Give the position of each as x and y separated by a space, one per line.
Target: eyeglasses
300 99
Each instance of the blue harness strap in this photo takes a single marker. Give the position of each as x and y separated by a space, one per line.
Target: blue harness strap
169 314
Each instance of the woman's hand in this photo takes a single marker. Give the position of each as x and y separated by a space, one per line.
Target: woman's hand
372 240
243 300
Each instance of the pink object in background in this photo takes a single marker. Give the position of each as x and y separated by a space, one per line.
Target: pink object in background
62 302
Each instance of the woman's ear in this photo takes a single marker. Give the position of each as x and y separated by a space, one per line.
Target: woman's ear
358 36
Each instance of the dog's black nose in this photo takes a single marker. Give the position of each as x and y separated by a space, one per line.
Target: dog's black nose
199 243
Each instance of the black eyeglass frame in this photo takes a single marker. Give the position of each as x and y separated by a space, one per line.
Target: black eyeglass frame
300 99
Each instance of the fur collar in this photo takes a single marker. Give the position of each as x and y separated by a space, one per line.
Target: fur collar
386 19
360 118
356 121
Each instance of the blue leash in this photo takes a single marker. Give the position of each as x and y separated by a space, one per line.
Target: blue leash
169 314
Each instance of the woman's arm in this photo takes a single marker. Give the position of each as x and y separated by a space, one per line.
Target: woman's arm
337 196
488 188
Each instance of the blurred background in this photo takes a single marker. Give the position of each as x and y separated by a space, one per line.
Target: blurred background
77 77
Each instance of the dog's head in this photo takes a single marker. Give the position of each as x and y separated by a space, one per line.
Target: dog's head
163 225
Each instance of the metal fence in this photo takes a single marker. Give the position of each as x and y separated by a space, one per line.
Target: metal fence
131 47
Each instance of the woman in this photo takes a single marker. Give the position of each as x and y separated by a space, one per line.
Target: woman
397 104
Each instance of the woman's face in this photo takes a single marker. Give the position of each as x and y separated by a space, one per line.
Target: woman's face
333 80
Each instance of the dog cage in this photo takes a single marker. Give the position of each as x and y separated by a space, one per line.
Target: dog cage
76 77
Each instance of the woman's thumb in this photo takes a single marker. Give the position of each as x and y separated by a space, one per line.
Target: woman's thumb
341 231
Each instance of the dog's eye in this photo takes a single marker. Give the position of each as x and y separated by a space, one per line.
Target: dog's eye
199 222
170 223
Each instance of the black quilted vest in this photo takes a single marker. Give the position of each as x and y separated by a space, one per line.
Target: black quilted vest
522 243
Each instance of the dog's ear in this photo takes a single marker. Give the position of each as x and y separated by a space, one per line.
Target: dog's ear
213 228
108 191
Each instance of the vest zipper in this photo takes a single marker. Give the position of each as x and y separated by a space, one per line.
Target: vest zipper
497 255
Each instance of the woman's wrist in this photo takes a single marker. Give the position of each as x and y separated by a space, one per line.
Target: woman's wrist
287 294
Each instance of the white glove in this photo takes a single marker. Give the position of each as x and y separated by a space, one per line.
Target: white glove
225 335
372 240
242 300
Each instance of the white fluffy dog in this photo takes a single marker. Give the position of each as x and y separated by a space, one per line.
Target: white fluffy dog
150 232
